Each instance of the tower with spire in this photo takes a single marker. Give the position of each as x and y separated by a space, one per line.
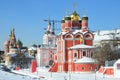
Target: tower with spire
49 37
12 42
48 47
12 46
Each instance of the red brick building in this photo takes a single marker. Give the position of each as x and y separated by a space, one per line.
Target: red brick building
74 42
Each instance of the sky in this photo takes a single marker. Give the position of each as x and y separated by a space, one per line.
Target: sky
27 17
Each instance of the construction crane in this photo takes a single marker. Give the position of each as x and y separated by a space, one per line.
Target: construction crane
53 23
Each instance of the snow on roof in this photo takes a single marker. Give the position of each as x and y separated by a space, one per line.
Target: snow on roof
106 34
12 54
99 38
118 61
74 32
81 46
62 33
32 48
85 60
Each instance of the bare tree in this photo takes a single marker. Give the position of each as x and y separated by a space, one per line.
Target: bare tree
106 53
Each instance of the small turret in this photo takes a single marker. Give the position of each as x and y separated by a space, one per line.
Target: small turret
63 24
85 23
67 23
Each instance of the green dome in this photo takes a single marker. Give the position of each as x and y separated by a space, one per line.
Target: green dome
19 42
67 18
85 18
62 21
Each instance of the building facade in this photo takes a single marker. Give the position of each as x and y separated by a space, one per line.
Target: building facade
12 44
74 42
12 48
45 53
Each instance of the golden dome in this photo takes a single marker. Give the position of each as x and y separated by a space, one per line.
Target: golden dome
75 16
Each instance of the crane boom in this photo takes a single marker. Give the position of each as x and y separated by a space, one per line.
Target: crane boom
53 23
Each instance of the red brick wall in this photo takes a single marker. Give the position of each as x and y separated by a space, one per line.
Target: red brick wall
84 67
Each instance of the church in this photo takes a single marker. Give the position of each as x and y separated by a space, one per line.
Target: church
45 53
74 46
15 53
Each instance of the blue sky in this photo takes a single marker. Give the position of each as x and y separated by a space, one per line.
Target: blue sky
27 16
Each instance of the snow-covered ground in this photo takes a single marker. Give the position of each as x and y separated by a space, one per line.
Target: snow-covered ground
43 74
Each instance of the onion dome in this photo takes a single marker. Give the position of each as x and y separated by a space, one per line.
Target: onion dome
67 18
75 16
7 42
84 18
19 42
63 21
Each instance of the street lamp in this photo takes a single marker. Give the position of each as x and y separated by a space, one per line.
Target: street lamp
95 73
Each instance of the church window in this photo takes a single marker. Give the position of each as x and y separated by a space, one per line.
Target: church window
51 56
84 53
87 36
69 37
77 36
83 68
75 54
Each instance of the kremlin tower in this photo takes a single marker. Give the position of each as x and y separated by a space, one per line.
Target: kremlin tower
74 46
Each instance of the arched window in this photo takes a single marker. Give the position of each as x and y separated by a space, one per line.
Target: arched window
68 36
88 36
77 36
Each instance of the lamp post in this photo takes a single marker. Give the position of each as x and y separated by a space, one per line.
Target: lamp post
69 75
95 74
